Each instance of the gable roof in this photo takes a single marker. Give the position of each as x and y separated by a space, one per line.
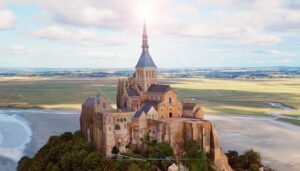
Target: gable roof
159 88
145 108
132 92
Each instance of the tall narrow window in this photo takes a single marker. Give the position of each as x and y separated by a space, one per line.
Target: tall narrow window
170 100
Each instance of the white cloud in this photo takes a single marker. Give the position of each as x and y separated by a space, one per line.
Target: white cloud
7 19
280 53
80 36
96 54
283 61
53 32
23 49
250 22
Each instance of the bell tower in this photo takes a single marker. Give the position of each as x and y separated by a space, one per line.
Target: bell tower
145 69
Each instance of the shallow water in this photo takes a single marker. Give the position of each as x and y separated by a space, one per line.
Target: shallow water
15 133
23 132
278 142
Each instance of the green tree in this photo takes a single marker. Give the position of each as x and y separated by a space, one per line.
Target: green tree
161 150
133 167
250 157
92 161
24 163
191 148
249 160
198 161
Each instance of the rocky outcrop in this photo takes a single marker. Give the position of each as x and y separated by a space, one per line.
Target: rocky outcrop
220 159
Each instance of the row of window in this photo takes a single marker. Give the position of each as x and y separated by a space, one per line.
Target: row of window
157 98
121 119
148 73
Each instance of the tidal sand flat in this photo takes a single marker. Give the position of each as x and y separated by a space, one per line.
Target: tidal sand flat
23 132
278 142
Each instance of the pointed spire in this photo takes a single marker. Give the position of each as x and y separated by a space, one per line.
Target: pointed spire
145 37
145 58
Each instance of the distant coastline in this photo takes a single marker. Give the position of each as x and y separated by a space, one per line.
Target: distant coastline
208 72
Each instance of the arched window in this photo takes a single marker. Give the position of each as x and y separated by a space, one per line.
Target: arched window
170 100
117 127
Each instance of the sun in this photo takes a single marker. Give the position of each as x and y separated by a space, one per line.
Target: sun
145 11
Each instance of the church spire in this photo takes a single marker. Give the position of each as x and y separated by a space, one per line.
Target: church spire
145 58
145 37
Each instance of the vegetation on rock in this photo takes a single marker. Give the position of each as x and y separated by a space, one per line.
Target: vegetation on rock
70 152
250 160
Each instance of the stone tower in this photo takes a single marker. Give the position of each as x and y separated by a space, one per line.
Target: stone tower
145 69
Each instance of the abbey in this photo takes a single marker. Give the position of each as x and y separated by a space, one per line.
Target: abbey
147 107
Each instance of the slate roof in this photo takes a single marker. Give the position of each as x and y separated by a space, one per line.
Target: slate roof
152 102
91 101
145 108
145 60
158 88
132 92
188 106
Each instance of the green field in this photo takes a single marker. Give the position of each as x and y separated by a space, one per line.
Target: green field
217 96
241 96
291 121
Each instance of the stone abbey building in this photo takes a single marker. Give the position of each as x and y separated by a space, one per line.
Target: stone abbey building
146 107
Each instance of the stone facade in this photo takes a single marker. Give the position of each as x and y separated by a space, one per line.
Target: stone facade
145 107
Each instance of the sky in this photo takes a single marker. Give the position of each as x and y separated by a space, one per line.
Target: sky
181 33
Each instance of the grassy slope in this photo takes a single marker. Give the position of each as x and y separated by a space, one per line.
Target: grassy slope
217 96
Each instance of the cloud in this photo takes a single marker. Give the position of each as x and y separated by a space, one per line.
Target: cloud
249 22
280 53
96 54
80 36
18 50
283 61
7 19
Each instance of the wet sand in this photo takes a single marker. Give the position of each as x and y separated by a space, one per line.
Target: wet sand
47 124
278 142
43 124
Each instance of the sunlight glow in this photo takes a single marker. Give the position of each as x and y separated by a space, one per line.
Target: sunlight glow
145 11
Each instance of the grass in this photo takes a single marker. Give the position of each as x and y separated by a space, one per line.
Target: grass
241 96
291 121
217 96
55 93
